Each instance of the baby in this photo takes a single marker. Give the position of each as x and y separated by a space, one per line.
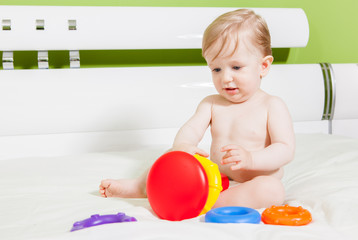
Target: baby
252 132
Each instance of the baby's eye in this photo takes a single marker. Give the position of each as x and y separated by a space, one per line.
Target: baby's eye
236 67
216 69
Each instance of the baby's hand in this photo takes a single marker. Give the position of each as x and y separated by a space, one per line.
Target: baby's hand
188 148
238 156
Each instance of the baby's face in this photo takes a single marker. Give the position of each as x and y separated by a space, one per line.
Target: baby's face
235 73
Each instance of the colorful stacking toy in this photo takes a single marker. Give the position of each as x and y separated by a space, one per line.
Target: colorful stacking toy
182 186
97 219
286 215
233 215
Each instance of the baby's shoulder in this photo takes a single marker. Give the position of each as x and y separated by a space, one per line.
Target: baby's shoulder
273 100
275 103
206 103
212 99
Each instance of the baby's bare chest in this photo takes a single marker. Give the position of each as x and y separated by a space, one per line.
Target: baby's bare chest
239 124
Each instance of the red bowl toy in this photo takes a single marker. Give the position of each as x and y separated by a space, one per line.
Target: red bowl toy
181 186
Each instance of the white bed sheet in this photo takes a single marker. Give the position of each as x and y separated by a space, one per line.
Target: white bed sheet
40 198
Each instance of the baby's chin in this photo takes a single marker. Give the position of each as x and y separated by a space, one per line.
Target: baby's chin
234 99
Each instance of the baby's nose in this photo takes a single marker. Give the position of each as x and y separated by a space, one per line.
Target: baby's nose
227 77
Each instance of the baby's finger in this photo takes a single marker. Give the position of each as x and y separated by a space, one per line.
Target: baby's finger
202 152
232 159
231 153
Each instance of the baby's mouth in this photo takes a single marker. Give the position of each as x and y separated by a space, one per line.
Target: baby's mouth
231 91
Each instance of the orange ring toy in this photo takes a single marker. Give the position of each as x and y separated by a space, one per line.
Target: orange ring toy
286 215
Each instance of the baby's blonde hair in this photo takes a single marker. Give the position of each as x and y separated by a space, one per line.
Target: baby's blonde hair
227 27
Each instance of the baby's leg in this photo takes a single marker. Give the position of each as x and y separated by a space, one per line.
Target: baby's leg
260 192
125 188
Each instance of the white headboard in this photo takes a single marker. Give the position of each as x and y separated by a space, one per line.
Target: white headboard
79 28
49 112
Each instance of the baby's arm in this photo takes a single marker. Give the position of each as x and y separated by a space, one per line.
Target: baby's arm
190 134
277 154
280 129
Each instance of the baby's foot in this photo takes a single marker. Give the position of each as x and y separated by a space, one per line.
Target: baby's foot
124 188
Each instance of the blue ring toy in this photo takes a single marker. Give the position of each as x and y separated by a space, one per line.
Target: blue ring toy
233 215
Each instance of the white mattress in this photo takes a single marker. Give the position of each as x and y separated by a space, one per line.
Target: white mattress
40 198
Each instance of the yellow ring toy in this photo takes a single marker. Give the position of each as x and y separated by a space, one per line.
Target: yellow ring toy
214 181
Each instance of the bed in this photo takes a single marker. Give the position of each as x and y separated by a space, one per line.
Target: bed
64 130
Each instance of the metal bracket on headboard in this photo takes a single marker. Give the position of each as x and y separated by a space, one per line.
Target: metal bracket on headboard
42 59
330 93
8 60
6 24
74 59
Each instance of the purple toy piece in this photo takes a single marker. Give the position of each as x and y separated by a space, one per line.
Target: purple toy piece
97 219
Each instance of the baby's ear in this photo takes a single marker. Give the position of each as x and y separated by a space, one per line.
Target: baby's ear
265 65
